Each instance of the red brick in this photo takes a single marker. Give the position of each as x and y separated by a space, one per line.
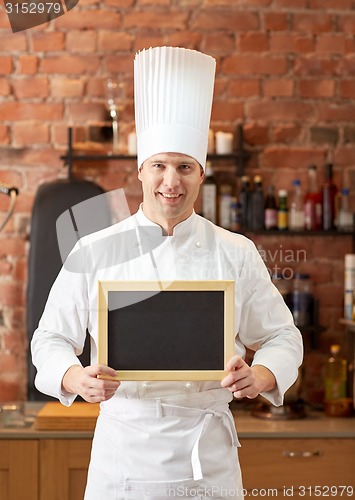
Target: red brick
146 19
119 64
12 246
347 66
5 88
119 3
298 4
90 19
219 43
154 2
67 64
330 44
4 135
286 133
275 21
316 88
79 112
255 134
241 3
29 133
11 294
67 87
283 157
291 42
284 111
347 89
111 41
280 87
182 38
27 65
31 87
20 270
13 42
255 65
5 65
81 41
316 66
227 111
5 268
313 22
253 42
244 88
48 42
331 4
226 20
345 156
346 23
30 111
146 40
332 112
349 45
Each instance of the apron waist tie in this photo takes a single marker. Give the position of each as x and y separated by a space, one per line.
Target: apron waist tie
167 409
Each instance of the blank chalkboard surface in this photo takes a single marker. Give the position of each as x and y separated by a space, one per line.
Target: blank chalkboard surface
166 331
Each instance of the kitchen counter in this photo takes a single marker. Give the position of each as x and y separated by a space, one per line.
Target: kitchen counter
314 425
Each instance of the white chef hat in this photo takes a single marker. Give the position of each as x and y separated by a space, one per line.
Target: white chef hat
173 92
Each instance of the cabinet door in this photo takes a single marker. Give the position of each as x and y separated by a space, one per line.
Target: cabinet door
296 467
63 468
18 469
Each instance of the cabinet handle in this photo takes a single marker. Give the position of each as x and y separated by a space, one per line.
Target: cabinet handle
302 454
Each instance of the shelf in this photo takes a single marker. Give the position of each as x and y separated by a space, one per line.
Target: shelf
111 156
239 157
348 323
276 232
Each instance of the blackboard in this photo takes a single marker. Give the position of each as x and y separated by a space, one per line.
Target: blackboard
175 331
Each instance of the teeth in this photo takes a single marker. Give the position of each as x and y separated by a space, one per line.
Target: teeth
170 195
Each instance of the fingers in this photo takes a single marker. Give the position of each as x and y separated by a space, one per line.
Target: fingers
96 390
240 379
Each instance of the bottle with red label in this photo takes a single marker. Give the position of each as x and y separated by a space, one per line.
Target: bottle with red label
270 210
313 202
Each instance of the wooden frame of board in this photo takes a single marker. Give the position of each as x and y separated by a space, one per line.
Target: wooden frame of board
194 326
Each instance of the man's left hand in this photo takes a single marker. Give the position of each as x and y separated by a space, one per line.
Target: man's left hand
247 381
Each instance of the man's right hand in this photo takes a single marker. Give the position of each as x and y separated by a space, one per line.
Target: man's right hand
84 381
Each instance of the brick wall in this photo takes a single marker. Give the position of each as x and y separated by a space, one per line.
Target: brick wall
285 69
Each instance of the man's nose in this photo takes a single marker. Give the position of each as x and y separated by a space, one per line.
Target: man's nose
171 178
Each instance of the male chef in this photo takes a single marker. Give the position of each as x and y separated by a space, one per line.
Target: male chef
161 440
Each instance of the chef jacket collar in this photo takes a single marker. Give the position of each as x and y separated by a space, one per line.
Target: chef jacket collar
186 227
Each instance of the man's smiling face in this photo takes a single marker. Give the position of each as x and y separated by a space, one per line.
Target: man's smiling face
170 183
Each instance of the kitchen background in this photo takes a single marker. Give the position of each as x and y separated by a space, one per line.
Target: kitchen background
285 71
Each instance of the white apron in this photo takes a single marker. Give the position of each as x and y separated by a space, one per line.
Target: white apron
181 446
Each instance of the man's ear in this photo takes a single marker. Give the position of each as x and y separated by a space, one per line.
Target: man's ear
140 173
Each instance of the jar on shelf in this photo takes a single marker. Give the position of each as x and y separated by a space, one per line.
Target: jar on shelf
301 300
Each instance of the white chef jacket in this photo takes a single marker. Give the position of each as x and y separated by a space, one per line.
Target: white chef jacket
197 250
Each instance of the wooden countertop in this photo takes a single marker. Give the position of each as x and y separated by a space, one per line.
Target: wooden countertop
314 425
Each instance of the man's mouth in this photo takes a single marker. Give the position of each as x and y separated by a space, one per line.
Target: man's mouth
170 195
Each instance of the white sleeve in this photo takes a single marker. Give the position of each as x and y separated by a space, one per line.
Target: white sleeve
266 325
61 333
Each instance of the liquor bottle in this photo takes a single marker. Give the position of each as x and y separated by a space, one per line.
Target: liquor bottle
296 210
335 375
245 202
329 193
313 202
270 209
257 205
225 203
209 195
235 215
282 212
344 216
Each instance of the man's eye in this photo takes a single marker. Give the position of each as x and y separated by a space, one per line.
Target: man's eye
185 167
